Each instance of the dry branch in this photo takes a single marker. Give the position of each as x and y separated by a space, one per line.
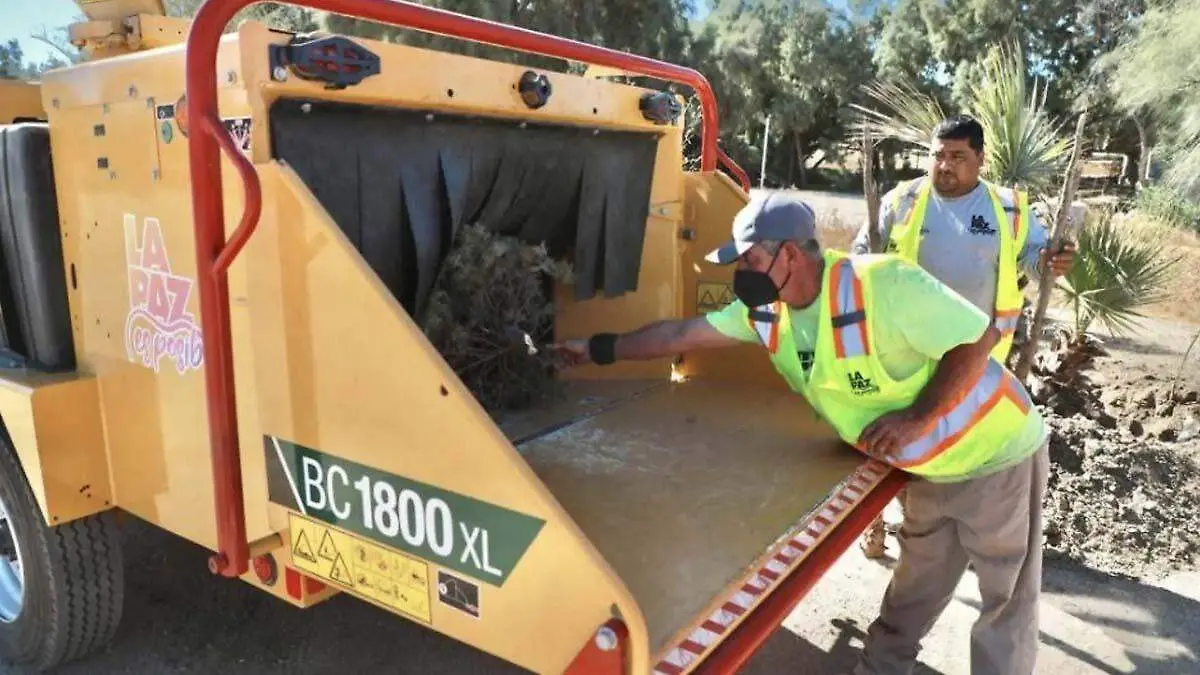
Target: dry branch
490 293
1057 234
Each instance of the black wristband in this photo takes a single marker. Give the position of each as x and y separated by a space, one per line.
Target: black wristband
602 348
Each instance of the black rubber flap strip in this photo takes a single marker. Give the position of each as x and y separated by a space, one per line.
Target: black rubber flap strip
401 183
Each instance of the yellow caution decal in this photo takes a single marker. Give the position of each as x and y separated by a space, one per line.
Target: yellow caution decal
712 296
360 567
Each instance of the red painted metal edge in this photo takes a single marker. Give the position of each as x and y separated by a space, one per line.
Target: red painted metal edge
737 171
731 655
213 255
605 652
233 550
252 199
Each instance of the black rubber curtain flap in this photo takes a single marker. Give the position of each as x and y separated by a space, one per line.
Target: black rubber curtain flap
401 183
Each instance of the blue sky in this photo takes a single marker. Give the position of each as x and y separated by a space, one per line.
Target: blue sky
22 18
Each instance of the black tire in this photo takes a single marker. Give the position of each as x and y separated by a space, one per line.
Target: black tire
74 581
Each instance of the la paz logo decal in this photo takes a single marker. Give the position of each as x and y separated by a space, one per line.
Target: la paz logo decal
158 325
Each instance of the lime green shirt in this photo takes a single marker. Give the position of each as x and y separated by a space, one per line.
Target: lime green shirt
916 319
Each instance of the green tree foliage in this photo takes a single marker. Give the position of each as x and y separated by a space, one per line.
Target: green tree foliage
940 44
1156 71
654 28
14 66
1027 147
799 62
12 61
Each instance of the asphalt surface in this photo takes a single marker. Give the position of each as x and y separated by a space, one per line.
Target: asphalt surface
178 619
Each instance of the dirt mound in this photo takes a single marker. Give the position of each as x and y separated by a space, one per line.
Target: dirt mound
1124 493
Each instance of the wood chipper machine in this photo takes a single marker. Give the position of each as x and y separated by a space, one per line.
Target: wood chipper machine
266 392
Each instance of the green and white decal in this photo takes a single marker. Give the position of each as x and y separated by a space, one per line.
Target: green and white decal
474 537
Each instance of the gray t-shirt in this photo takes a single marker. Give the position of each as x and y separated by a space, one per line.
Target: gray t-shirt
960 243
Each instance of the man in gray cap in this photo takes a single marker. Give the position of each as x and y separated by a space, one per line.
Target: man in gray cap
899 365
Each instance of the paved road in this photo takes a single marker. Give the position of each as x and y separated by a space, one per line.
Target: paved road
180 620
1090 623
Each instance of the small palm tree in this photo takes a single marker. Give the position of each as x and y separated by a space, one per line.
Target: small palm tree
1115 275
1022 144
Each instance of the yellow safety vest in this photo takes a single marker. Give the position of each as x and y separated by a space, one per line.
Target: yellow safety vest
849 387
905 241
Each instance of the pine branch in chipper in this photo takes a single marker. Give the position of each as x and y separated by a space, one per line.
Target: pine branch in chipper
492 303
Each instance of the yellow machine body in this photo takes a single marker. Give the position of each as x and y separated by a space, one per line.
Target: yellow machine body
20 100
329 365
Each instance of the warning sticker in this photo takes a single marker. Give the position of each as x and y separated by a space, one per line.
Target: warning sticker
303 549
373 572
458 593
711 296
239 130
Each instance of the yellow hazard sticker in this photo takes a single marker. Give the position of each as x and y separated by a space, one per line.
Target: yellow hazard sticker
712 296
379 574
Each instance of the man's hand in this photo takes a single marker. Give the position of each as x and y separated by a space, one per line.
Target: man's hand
1062 261
572 353
884 438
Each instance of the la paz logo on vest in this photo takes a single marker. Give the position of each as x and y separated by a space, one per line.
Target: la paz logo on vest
861 385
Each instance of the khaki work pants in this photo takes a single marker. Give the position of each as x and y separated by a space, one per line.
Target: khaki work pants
993 522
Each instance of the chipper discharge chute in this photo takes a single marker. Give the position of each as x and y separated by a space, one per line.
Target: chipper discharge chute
648 517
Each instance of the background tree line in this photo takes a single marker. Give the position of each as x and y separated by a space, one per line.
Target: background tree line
806 63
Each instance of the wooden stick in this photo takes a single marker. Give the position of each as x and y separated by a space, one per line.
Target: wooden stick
1057 234
1182 365
871 191
874 545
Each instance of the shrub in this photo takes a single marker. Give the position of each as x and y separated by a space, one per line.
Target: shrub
1165 205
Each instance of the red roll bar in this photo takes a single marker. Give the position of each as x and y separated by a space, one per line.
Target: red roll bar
214 255
737 171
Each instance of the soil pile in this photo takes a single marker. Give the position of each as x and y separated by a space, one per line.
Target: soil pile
1124 493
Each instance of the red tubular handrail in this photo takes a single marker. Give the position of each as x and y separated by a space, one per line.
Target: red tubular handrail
214 255
732 654
253 196
737 171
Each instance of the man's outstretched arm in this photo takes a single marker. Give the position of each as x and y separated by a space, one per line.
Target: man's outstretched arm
653 341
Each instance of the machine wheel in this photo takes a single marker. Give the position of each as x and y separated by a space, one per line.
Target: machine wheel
61 588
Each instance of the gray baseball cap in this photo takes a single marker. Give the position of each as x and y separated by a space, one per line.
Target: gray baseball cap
770 216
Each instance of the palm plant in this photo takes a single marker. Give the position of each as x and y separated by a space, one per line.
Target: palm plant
1023 146
1115 275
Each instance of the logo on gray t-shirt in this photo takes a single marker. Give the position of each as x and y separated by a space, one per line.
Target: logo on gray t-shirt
981 226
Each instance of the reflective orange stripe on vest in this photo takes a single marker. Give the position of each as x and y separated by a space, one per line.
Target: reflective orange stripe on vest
1006 321
994 385
847 313
765 321
848 319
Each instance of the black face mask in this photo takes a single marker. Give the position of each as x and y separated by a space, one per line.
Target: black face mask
756 289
